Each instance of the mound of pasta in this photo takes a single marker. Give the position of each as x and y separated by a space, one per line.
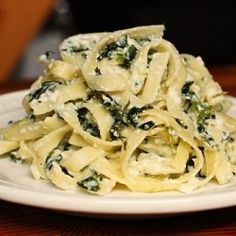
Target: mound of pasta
124 108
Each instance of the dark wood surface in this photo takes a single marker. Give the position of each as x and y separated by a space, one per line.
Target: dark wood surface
24 220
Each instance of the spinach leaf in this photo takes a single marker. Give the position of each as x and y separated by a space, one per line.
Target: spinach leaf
186 87
202 112
55 156
107 51
64 145
122 117
14 157
181 123
120 51
133 118
92 182
46 86
86 124
49 161
227 137
146 126
125 60
75 49
97 71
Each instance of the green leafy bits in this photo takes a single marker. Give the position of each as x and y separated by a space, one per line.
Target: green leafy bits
87 124
91 183
46 86
120 51
201 111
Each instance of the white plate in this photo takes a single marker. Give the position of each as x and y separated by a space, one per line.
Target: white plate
17 185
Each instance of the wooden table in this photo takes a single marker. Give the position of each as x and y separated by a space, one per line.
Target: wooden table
24 220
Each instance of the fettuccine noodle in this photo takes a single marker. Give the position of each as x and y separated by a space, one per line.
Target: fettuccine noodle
125 108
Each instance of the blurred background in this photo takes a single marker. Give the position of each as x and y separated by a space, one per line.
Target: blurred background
31 27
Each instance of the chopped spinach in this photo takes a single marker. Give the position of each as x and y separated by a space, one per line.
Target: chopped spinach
91 183
111 105
46 86
117 114
227 137
122 42
205 113
57 157
15 158
146 126
97 71
75 49
202 112
110 48
126 59
205 135
120 51
186 87
64 145
133 118
122 116
181 123
190 163
115 132
86 124
65 171
50 159
107 51
84 55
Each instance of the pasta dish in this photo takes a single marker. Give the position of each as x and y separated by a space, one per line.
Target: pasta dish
124 108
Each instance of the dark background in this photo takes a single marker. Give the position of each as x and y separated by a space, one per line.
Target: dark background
206 28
